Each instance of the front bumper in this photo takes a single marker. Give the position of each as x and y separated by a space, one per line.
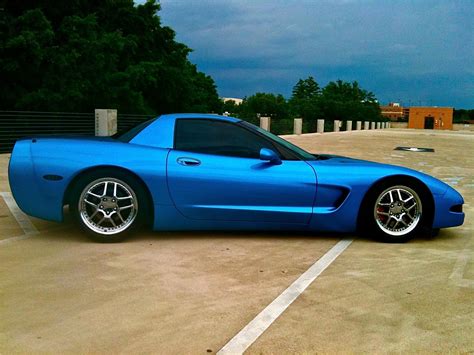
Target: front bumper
447 211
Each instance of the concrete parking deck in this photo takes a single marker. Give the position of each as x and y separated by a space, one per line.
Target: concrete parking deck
192 292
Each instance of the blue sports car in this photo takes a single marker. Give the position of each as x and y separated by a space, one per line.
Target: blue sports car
208 172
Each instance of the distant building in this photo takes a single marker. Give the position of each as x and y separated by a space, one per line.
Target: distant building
393 111
233 99
431 118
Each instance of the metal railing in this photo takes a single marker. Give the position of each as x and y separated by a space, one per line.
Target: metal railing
18 124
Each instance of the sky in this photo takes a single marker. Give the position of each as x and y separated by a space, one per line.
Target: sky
413 52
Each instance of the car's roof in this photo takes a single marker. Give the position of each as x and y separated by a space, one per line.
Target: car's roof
199 116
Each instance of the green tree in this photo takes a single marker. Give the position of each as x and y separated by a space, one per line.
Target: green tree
270 105
264 104
79 55
306 89
347 101
231 108
304 101
461 116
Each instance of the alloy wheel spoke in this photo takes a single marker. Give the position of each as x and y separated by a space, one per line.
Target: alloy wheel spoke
94 214
120 216
93 194
124 198
125 207
90 203
102 220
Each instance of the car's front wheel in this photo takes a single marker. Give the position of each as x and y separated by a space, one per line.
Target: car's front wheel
108 205
397 212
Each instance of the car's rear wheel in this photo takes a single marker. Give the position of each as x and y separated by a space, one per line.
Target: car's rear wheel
108 205
397 212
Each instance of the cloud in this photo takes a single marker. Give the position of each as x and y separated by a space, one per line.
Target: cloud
420 50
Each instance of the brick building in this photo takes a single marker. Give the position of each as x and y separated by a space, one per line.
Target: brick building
393 111
430 117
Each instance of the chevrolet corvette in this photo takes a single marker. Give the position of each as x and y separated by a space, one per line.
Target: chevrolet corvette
210 172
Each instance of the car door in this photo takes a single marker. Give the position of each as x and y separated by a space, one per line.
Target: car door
214 173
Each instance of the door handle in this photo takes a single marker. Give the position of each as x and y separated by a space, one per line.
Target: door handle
188 161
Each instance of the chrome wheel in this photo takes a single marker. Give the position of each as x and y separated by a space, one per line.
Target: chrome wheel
108 206
398 210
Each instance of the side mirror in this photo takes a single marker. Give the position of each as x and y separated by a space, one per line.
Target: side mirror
270 156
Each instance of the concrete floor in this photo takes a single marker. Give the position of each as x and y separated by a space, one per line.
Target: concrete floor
192 292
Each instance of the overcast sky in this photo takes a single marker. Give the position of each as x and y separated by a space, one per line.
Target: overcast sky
416 52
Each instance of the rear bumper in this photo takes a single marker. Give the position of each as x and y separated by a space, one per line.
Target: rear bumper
27 191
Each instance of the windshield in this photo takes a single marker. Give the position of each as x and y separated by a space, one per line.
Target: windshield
303 154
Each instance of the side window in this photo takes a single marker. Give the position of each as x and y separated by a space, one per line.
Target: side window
218 138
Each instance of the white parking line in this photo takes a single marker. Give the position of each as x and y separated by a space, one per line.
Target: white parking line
247 336
457 276
28 228
14 239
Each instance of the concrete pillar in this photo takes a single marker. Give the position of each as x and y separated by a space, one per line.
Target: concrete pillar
336 125
372 125
358 125
389 124
348 125
298 126
105 122
378 125
265 123
320 127
366 125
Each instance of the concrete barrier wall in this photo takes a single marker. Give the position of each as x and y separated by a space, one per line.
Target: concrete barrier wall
298 125
463 127
398 124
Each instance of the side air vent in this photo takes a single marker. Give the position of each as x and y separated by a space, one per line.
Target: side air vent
456 208
52 177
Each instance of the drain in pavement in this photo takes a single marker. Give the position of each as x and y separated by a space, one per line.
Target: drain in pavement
415 149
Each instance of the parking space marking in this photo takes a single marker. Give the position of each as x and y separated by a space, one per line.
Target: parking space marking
19 216
247 336
457 276
14 239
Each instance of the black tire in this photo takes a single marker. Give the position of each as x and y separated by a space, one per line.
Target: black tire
403 218
115 227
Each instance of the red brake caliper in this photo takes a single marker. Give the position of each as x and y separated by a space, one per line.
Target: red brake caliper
382 217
